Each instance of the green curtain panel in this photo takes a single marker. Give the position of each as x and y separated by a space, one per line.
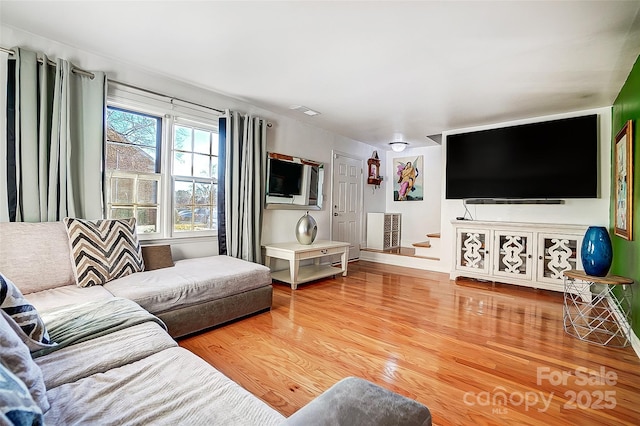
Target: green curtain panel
244 171
58 140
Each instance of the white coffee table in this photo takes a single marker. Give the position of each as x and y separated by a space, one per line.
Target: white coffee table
295 252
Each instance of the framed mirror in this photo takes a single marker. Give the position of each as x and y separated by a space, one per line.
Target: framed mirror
293 183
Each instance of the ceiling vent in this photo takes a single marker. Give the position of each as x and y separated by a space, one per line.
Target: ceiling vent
436 138
304 110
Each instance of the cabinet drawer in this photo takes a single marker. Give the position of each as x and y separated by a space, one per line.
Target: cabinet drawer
321 252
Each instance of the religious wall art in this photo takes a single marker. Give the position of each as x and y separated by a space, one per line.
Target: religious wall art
408 180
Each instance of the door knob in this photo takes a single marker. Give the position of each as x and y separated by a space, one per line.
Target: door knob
335 214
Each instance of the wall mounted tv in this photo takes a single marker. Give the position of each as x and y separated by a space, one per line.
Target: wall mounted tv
284 178
548 160
293 183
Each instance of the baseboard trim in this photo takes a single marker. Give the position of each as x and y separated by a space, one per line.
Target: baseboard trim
631 335
408 261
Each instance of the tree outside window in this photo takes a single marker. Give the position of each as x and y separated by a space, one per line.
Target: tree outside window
133 166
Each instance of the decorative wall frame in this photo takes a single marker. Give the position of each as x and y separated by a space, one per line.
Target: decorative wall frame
623 173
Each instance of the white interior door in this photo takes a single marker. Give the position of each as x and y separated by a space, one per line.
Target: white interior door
346 202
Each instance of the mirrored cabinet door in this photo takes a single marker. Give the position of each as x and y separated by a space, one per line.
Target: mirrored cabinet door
513 253
472 252
557 253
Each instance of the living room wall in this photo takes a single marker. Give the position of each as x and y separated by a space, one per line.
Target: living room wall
626 254
418 217
287 135
301 140
575 211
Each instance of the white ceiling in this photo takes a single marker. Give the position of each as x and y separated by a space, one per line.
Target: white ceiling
376 70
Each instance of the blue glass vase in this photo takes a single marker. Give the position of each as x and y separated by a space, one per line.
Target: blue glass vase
597 252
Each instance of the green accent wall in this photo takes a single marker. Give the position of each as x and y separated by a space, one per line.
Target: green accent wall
626 254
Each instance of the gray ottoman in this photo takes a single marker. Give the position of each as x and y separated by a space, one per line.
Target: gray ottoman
357 402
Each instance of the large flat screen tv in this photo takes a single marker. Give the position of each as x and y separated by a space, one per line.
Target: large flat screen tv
548 160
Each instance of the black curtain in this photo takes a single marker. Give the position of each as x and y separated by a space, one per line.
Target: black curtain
222 158
11 140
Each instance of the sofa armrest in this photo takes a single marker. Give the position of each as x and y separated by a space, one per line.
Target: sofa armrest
353 401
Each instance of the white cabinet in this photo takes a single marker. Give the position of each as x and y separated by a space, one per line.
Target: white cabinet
528 254
383 230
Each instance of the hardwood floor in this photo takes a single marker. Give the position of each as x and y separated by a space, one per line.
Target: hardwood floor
473 352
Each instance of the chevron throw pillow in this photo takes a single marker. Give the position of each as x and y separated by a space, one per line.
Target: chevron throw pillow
13 303
103 250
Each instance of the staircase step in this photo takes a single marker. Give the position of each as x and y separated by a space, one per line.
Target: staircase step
402 251
425 244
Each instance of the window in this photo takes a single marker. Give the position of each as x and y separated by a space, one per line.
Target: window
161 167
195 169
133 166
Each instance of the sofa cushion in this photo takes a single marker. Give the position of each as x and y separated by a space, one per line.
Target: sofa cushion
157 257
15 356
103 250
87 358
58 297
22 312
171 387
190 282
35 256
16 405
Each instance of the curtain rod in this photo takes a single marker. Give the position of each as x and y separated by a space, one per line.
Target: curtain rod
269 124
74 69
91 75
131 86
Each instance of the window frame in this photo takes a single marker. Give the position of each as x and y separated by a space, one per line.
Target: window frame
157 177
213 180
159 118
171 112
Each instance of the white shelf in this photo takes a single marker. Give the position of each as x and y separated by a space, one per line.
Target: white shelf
307 273
383 231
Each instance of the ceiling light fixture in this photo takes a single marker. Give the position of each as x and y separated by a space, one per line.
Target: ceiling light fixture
304 110
398 146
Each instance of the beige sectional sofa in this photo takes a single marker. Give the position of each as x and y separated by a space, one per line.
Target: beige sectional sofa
193 295
113 362
134 374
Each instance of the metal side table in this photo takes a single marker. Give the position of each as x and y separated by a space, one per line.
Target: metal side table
598 309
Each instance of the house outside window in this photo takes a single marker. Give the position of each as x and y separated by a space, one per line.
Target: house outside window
161 166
